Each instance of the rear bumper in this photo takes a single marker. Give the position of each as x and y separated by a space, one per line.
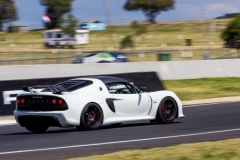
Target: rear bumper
35 120
56 118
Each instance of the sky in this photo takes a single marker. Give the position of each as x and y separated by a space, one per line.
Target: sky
30 11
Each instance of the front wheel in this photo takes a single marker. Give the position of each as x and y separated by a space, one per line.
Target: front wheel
91 117
167 110
37 128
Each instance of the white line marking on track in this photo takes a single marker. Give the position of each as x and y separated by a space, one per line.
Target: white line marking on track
207 104
119 142
7 122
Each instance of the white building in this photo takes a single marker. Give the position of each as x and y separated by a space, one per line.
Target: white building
54 38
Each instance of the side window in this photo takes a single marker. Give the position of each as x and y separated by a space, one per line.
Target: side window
59 35
120 88
49 35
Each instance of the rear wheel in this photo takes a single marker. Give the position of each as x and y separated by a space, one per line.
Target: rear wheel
91 117
167 111
37 128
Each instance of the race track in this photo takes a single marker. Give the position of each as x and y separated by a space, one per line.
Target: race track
202 123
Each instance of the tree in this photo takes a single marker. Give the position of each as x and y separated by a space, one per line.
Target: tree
55 9
139 28
232 32
150 8
8 12
69 24
127 42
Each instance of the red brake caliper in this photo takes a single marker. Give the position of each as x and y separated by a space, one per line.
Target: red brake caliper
163 108
94 115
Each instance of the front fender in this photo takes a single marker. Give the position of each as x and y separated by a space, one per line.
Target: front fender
157 98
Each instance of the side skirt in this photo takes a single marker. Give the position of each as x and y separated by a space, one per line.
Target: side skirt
112 120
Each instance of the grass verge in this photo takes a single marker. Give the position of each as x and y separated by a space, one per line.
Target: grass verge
170 33
203 88
26 48
219 150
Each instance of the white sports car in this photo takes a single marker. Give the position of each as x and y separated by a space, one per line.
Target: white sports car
89 102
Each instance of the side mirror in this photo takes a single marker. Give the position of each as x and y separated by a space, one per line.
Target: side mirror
143 89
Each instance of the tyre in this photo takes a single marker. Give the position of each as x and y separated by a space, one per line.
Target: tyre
46 45
116 124
37 128
91 117
103 61
153 121
167 111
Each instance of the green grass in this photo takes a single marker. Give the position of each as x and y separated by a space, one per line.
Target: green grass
28 44
219 150
204 88
161 33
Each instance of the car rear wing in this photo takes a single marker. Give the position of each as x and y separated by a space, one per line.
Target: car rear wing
54 89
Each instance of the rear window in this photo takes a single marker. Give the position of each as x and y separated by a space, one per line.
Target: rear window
72 85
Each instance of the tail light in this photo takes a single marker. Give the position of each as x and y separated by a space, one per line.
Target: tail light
54 101
57 101
60 101
23 100
18 101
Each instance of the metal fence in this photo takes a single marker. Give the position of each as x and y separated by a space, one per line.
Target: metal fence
68 56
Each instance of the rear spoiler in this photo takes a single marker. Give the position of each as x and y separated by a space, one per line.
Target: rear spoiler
53 89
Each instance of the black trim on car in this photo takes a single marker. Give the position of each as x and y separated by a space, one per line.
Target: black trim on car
107 79
41 103
38 120
71 85
111 104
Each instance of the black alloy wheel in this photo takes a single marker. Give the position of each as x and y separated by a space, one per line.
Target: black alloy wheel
91 117
167 110
37 128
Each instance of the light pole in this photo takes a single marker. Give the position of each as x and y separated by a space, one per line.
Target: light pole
106 12
202 16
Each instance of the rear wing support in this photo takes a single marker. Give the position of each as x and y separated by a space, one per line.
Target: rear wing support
52 88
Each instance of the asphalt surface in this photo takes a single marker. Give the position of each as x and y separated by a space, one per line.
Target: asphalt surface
200 124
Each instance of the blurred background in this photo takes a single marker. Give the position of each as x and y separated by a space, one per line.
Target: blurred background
190 46
110 31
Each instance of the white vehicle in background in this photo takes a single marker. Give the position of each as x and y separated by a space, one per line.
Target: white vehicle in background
102 57
55 38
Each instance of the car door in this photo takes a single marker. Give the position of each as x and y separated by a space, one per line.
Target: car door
126 100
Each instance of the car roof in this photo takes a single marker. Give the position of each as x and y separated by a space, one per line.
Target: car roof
104 79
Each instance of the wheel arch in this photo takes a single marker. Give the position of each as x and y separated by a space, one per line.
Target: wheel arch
161 102
99 107
159 117
159 96
176 104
